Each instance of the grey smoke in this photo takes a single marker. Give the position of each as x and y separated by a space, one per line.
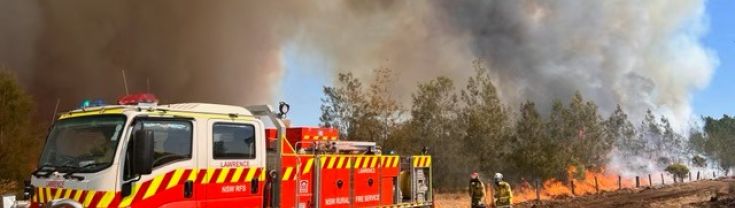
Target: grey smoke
640 54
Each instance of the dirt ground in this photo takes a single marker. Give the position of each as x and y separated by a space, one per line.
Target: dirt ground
709 193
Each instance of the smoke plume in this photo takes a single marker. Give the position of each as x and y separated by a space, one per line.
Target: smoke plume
640 54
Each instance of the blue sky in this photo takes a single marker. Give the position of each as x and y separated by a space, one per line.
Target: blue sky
303 82
719 97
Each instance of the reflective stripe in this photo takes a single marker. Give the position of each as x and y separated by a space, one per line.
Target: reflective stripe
78 195
251 173
262 175
331 162
67 193
236 176
341 162
287 173
175 178
208 175
223 175
193 175
154 186
309 163
106 199
89 197
127 200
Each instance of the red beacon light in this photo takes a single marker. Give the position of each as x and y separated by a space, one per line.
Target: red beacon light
138 99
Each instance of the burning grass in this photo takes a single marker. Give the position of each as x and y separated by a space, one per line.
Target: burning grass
591 183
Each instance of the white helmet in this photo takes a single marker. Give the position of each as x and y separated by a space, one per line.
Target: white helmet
498 177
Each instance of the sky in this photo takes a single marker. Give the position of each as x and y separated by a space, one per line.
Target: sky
719 97
302 82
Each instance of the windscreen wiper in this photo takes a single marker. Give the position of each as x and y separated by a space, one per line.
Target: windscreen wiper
71 172
46 169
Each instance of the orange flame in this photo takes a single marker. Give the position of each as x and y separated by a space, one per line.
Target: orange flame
589 184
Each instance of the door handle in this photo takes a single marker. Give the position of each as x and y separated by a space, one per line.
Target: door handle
188 189
254 185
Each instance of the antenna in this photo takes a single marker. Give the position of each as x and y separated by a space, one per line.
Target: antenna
56 110
125 82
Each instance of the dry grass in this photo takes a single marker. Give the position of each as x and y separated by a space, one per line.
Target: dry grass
7 186
452 200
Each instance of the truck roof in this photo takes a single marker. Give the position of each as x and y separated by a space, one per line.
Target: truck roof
206 108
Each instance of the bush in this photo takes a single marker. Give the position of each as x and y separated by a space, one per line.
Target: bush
678 170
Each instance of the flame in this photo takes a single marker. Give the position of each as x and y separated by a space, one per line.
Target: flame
554 188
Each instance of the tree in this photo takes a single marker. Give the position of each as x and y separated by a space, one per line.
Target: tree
362 114
434 124
583 133
383 111
484 122
343 105
19 143
534 154
719 141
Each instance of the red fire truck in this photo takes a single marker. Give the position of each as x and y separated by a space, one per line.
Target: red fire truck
141 154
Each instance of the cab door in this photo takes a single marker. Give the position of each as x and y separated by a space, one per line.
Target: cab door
235 174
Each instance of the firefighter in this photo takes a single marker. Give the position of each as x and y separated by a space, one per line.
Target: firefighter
477 191
503 195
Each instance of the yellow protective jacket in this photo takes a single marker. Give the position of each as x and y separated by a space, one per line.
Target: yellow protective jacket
503 195
477 191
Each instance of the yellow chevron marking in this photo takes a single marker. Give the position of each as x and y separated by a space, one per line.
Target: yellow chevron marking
331 162
223 175
323 161
287 173
382 161
67 193
262 175
78 195
428 162
341 162
125 202
251 173
309 163
193 175
106 199
349 163
357 161
236 176
175 178
89 197
41 196
58 193
49 197
366 162
154 186
415 161
395 161
375 162
208 175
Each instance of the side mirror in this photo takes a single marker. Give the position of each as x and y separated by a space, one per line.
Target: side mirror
142 154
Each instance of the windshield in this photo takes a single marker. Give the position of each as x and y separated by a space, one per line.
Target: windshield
84 144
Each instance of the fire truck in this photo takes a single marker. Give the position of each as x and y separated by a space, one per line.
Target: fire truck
142 154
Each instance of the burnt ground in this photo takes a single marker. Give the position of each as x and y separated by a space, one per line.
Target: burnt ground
707 193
